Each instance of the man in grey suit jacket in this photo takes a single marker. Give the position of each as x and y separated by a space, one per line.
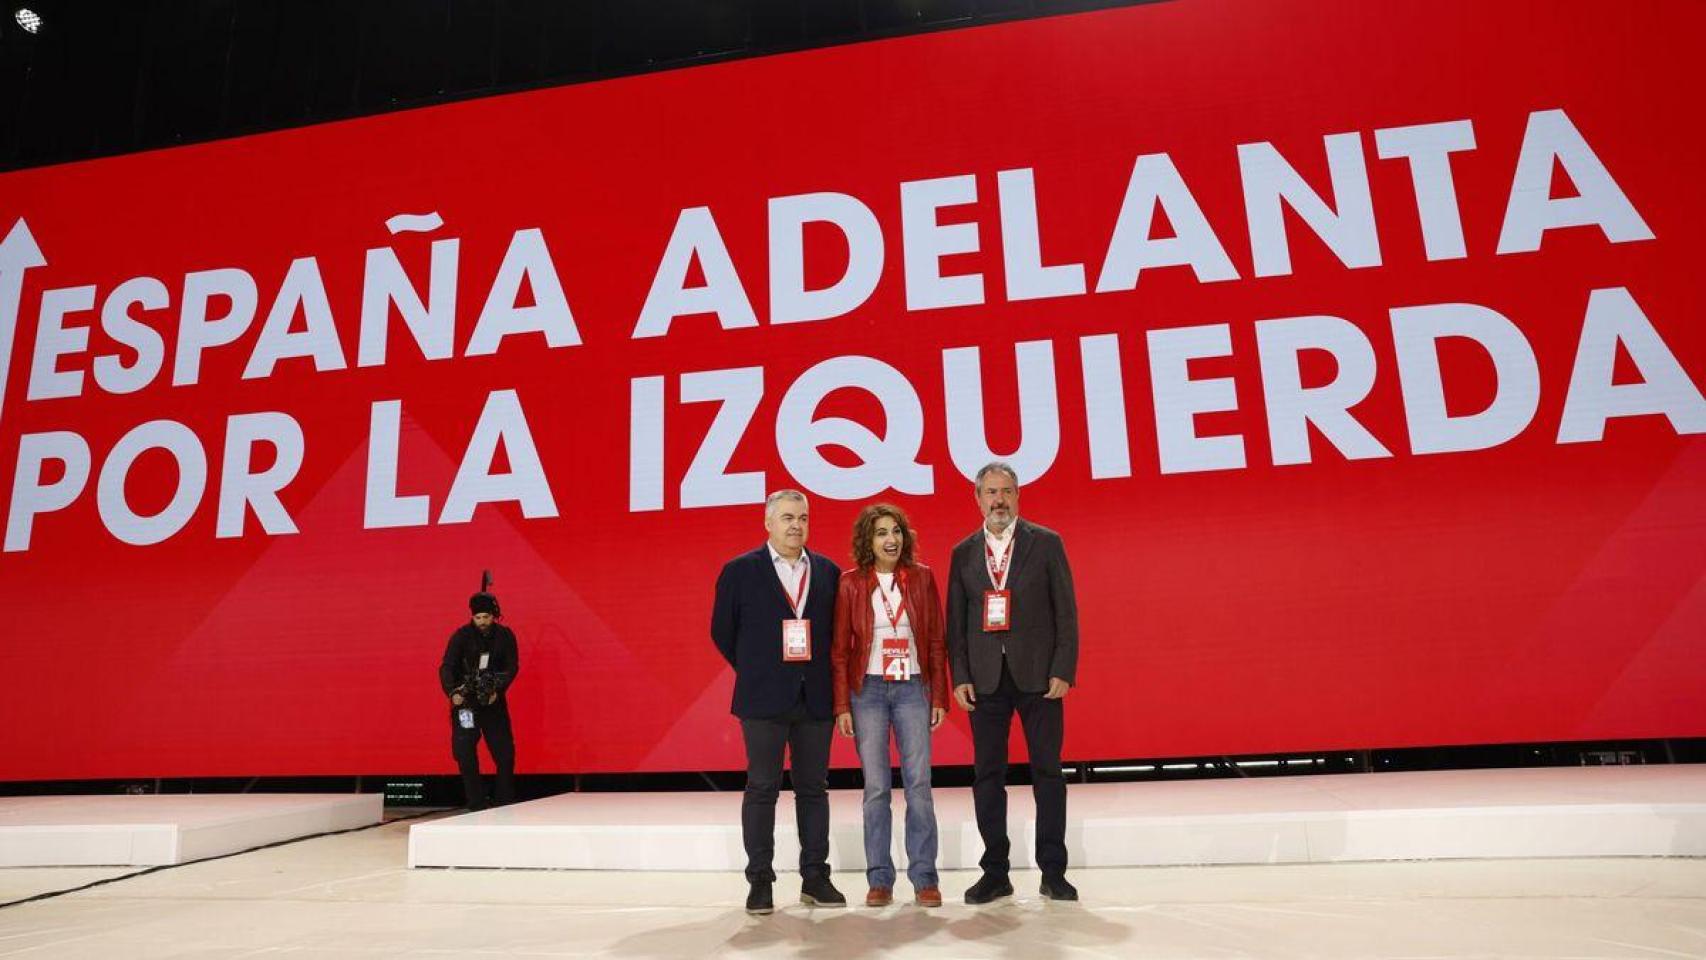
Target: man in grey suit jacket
1013 647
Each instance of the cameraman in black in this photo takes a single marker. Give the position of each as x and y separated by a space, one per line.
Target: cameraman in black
479 665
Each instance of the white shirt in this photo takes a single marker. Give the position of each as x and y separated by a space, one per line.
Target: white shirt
789 572
999 545
882 630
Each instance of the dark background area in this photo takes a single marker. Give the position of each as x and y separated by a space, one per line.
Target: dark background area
104 78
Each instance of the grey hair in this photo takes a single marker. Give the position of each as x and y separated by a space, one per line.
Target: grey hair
996 466
770 501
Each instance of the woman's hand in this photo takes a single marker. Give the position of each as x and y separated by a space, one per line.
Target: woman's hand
937 715
844 723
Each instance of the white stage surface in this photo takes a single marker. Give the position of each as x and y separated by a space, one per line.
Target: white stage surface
166 829
349 897
1655 811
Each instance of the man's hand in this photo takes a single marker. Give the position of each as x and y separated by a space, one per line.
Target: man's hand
844 723
937 715
966 696
456 698
1056 688
491 698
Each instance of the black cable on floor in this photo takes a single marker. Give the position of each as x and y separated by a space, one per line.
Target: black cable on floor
235 853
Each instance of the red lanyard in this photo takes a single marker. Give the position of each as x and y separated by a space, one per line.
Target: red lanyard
888 609
800 589
998 571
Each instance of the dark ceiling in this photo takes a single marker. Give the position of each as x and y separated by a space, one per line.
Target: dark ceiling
101 78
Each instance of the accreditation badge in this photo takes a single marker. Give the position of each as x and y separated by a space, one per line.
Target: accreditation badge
796 640
897 659
997 610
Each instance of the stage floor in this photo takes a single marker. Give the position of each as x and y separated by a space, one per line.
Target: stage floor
67 831
1456 814
350 897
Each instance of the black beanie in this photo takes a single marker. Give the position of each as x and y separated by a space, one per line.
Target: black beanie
483 603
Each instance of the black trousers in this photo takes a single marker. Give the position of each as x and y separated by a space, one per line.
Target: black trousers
807 743
492 722
1043 721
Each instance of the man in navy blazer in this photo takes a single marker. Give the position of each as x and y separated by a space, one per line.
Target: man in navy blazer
772 621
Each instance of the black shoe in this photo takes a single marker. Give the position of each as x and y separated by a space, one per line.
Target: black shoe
988 888
820 892
758 900
1056 888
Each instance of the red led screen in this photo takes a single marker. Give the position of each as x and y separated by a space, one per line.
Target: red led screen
1354 349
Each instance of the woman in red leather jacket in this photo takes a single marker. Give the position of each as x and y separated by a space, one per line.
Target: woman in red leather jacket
891 675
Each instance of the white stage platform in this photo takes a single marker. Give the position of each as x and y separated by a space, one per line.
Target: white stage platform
1655 811
165 829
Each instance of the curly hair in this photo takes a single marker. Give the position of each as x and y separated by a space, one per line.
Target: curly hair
865 528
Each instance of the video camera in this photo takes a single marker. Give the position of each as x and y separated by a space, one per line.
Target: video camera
480 689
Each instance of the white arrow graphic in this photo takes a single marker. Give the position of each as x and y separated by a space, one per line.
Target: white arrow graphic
18 253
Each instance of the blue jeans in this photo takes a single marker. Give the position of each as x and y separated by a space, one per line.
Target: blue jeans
904 707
